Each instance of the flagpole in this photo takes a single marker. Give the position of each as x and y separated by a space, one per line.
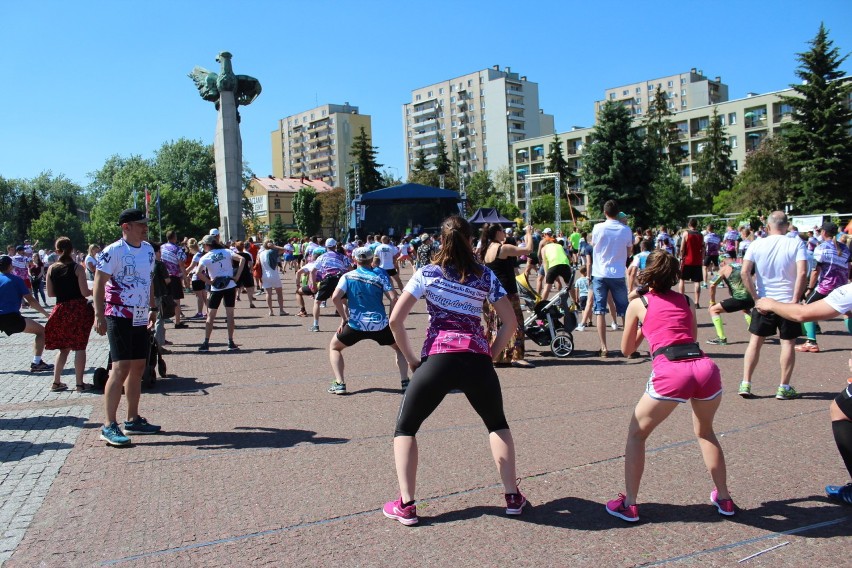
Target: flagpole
159 214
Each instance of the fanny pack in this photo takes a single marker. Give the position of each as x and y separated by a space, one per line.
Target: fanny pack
221 281
679 352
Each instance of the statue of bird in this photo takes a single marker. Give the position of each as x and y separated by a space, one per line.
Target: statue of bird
246 89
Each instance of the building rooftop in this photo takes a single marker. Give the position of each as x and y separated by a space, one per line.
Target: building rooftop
291 185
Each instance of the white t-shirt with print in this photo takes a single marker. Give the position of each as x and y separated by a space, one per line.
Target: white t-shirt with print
129 288
610 243
840 299
386 254
775 260
218 263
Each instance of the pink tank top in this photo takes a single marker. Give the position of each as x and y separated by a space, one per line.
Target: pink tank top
668 320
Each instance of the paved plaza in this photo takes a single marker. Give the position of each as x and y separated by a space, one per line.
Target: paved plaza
258 466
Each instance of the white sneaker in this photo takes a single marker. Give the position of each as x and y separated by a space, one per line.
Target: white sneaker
580 328
614 326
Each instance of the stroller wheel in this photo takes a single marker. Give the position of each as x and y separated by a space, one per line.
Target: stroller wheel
562 345
99 379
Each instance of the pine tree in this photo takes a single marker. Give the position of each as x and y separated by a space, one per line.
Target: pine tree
420 164
713 168
618 165
660 134
442 161
557 164
818 141
364 155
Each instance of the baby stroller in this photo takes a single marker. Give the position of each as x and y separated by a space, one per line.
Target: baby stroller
550 323
154 364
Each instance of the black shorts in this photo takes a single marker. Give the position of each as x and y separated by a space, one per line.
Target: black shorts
127 342
198 285
711 259
390 271
349 336
844 401
176 287
297 257
766 325
734 305
555 272
814 297
10 324
216 297
691 274
306 291
326 287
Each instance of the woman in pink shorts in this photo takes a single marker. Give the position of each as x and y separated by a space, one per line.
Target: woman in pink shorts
680 372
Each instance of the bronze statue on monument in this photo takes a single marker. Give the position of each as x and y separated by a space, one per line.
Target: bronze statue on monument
227 91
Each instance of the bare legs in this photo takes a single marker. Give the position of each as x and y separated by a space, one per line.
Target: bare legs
127 374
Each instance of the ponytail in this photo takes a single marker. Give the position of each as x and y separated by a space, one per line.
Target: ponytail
64 247
456 250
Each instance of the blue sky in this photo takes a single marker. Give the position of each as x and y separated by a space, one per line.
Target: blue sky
85 80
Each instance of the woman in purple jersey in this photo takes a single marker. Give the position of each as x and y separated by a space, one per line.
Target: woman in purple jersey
456 355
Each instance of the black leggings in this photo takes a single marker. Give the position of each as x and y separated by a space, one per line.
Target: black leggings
472 373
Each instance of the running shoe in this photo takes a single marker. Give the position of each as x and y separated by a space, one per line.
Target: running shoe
139 426
315 327
807 347
745 390
405 515
515 502
580 327
613 326
840 492
603 353
788 393
718 341
404 384
232 346
322 305
617 508
337 388
113 435
724 506
181 325
205 346
40 367
198 315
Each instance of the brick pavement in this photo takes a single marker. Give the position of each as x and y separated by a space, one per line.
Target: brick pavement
259 466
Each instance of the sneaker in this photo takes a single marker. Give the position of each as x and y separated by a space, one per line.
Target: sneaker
745 390
404 384
315 327
603 353
198 315
807 347
617 508
515 502
788 393
840 492
337 388
405 515
613 326
232 346
322 305
725 506
718 341
40 367
139 426
205 346
580 327
113 435
181 325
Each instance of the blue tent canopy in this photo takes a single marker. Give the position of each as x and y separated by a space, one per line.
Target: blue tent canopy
409 191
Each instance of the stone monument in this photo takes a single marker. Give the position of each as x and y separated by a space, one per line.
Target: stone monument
228 91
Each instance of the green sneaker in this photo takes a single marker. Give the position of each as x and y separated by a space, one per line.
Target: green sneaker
787 394
718 341
337 388
745 390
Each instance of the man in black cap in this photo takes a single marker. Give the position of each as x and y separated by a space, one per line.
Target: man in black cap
12 291
124 310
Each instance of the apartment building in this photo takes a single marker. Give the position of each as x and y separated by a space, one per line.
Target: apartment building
747 121
684 91
317 143
482 113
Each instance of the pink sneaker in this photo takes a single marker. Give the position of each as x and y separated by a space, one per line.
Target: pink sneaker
617 508
725 506
405 515
515 502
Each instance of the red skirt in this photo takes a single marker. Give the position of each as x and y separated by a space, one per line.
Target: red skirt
69 325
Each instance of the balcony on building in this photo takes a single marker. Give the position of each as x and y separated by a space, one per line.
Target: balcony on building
755 117
423 134
516 130
522 156
430 110
426 146
515 103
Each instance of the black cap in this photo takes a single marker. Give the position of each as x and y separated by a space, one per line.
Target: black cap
132 216
5 261
20 248
829 227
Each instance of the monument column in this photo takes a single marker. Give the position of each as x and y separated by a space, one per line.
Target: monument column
228 152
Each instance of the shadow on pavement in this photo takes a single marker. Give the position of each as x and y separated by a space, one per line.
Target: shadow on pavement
377 389
245 437
784 515
173 384
16 451
40 423
278 350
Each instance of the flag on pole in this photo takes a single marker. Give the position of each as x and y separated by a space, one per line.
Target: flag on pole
134 200
158 203
147 203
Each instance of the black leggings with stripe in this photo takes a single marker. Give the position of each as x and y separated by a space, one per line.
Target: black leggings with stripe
472 373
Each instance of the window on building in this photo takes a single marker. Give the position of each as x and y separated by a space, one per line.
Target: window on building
452 99
650 87
469 82
732 118
670 83
277 202
722 119
441 91
732 142
429 94
324 112
683 92
625 92
416 97
685 171
638 99
735 165
683 80
612 96
638 90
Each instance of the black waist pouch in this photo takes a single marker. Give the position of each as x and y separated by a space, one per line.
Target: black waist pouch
680 352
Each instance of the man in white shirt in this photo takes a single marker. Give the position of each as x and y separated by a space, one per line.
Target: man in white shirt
612 243
780 267
386 257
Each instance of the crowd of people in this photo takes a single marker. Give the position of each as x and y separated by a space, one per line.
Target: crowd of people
776 276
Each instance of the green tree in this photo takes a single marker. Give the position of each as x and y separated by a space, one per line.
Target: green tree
442 161
504 183
479 189
389 179
364 155
671 203
306 211
660 135
713 168
186 166
618 164
763 184
544 209
421 164
332 209
556 163
56 221
277 232
819 143
506 208
425 177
